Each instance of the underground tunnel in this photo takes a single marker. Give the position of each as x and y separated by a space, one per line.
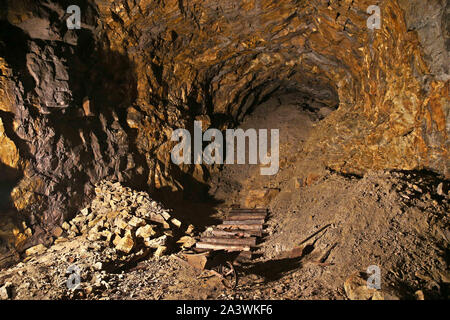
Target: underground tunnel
348 102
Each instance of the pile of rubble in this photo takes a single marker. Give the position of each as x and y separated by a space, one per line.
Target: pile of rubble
128 221
119 229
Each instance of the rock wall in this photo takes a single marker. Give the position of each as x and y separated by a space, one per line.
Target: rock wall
78 106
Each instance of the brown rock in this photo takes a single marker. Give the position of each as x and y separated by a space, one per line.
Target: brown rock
38 249
6 291
260 198
155 243
356 288
419 295
57 231
176 222
187 242
145 232
136 222
160 251
125 244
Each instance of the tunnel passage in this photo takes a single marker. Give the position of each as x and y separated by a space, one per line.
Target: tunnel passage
294 115
159 66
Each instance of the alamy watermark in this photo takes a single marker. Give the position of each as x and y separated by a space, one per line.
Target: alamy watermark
374 21
74 279
214 151
374 279
74 21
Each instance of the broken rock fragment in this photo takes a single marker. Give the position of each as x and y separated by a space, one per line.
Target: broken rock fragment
124 220
38 249
125 244
145 231
356 288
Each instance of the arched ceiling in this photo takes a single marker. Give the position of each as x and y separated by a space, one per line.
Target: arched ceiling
139 69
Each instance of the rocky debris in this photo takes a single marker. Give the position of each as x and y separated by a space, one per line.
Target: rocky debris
117 230
419 295
127 221
187 242
357 288
440 190
38 249
259 198
5 291
408 256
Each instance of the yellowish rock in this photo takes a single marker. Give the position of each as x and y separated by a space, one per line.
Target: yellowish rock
125 244
136 222
155 243
9 154
121 224
116 240
38 249
145 231
160 251
356 288
176 222
419 295
187 242
190 229
259 198
66 226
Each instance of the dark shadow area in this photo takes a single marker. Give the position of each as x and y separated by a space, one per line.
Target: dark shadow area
273 270
193 205
9 178
71 150
429 182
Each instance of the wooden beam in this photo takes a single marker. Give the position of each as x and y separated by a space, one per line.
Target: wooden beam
238 233
232 241
255 227
239 222
248 211
245 216
227 247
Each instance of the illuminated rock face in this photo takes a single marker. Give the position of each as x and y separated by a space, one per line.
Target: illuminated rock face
101 102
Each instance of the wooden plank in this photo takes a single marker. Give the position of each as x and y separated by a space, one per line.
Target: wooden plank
233 241
249 210
237 233
245 216
239 222
227 247
246 213
256 227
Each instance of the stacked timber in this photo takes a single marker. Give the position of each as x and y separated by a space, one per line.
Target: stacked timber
238 232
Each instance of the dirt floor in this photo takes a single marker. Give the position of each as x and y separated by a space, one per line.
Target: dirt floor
323 232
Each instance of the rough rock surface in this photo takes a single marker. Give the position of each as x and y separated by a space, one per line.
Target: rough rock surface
79 106
394 220
128 221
